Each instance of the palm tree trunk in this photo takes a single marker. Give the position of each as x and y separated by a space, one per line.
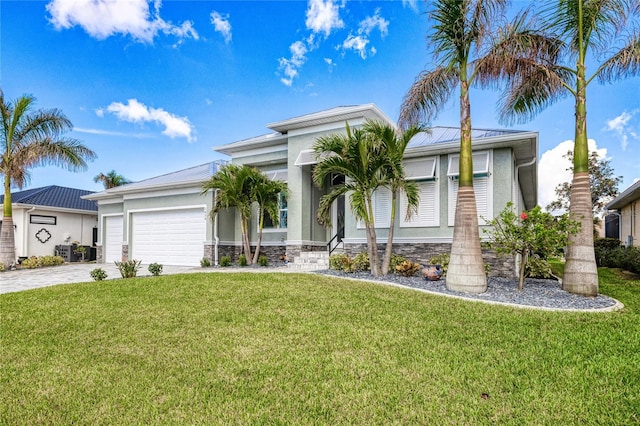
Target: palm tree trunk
388 251
466 268
372 238
257 252
7 237
245 237
581 271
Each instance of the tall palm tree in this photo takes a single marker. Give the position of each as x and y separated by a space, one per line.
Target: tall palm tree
393 144
462 31
234 184
267 194
575 32
359 158
111 179
31 139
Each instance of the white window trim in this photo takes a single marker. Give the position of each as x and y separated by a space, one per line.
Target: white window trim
375 201
278 228
428 178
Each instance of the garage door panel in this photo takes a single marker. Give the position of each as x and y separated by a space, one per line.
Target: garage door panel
112 243
174 237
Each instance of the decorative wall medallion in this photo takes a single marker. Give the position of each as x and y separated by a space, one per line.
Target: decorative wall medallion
43 235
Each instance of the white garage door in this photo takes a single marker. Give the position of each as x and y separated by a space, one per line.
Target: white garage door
112 243
171 237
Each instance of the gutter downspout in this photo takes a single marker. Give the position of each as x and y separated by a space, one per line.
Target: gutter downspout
515 196
25 231
215 230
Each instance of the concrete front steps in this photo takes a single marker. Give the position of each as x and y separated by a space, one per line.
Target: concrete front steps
310 261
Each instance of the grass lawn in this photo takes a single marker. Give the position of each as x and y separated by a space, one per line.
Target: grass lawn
303 349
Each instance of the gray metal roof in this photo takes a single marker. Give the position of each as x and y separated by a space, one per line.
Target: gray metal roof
442 134
54 196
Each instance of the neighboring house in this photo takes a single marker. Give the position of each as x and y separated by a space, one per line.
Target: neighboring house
505 169
52 215
163 219
627 205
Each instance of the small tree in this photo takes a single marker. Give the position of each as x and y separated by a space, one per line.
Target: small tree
529 232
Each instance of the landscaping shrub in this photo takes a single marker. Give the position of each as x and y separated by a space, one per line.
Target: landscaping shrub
51 260
155 269
263 260
31 263
2 267
225 261
98 274
538 267
205 262
242 260
340 262
396 260
360 262
407 268
128 268
442 260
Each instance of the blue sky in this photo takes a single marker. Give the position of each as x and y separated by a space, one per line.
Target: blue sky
151 87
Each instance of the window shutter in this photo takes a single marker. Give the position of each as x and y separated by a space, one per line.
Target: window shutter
428 211
381 207
481 189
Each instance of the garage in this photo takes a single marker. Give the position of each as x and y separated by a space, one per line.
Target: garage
112 243
169 237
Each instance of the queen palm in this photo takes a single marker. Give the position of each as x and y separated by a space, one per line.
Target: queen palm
393 143
111 179
30 139
462 31
579 31
359 158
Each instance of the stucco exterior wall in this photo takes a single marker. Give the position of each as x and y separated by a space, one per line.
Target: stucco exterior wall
629 223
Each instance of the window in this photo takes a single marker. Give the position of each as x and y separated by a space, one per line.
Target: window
381 201
282 214
42 220
481 184
423 172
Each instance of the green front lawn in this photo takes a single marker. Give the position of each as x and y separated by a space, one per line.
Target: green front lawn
303 349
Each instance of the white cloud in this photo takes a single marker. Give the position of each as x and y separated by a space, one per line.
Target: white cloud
552 169
222 25
371 23
323 16
357 43
137 112
110 133
104 18
623 126
290 66
413 4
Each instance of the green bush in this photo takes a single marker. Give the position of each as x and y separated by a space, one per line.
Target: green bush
98 274
263 260
442 260
242 260
340 262
2 269
155 269
225 261
205 262
537 267
361 262
396 260
51 260
128 268
606 243
31 263
407 268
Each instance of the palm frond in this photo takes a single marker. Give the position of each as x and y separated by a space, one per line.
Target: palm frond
624 63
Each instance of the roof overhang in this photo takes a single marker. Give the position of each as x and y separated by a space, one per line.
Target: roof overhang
630 194
333 115
271 141
37 207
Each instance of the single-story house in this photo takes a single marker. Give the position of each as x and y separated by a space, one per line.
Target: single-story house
627 208
53 215
141 220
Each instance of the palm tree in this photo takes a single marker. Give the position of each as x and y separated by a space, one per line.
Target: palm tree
393 144
360 160
573 32
234 184
267 193
111 179
31 139
462 31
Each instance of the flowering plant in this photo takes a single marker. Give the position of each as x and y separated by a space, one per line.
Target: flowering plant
533 231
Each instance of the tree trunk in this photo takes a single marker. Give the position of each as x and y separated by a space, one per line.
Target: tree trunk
372 240
7 236
256 254
580 270
245 238
466 268
388 251
523 265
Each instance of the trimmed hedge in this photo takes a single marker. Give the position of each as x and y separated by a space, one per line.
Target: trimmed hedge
610 254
